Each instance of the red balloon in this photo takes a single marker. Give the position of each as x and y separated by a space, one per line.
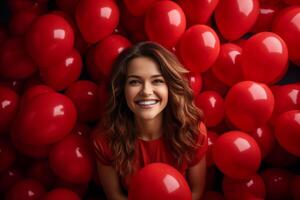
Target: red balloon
198 12
41 171
228 66
61 194
45 120
199 48
195 82
71 159
239 189
49 39
96 19
63 73
33 92
292 2
278 183
265 138
27 189
138 7
7 155
165 23
9 103
210 82
212 105
234 18
133 25
212 138
287 131
243 155
267 14
287 97
14 62
159 181
286 24
264 58
249 105
84 95
296 187
21 21
9 178
105 53
34 151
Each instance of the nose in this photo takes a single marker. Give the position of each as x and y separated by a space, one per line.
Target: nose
147 89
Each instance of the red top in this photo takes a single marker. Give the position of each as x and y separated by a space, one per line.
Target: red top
147 152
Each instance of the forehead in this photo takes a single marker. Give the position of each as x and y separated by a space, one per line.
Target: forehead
143 66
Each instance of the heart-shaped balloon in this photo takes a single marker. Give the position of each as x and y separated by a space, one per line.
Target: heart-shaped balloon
96 19
234 18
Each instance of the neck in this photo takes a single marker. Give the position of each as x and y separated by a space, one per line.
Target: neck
149 129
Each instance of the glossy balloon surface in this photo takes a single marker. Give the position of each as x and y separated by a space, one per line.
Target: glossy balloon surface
228 66
234 18
49 39
63 73
96 19
287 131
243 154
286 25
71 159
46 119
212 105
166 183
199 48
165 23
265 58
249 105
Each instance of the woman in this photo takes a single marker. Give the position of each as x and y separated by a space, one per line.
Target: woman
150 118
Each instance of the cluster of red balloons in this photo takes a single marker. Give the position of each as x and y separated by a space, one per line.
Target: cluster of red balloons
56 58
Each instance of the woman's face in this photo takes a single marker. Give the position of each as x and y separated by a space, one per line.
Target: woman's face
146 91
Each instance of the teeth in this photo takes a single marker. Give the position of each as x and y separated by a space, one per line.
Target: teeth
146 103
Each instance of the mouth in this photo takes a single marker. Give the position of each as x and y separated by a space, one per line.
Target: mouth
147 103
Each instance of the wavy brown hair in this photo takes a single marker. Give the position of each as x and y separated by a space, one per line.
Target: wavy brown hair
181 115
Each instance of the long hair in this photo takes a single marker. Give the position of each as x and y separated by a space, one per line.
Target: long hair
181 115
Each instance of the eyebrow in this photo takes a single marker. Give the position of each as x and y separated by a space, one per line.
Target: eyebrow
136 76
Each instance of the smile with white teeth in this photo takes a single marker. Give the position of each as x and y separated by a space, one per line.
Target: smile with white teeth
147 102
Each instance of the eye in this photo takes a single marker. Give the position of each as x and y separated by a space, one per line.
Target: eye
158 81
133 82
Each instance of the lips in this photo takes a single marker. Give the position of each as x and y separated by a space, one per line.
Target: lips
147 102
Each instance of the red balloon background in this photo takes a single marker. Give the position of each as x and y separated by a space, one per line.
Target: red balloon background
56 58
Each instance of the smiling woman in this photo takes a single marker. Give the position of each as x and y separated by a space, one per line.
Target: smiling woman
150 118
